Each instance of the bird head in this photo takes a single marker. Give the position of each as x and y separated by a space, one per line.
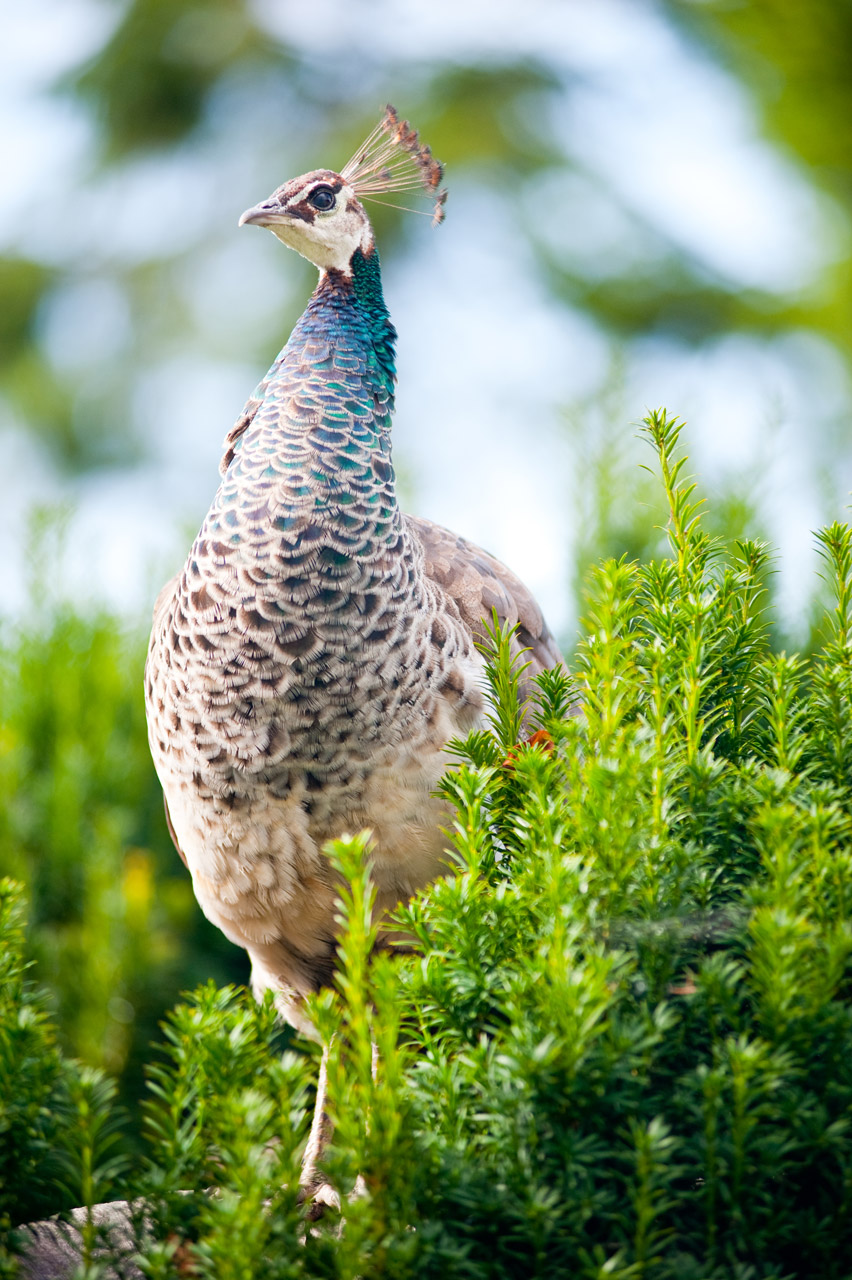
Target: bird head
320 214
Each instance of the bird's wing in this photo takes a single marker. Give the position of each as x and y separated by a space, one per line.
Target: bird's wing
479 584
161 604
242 423
163 601
172 832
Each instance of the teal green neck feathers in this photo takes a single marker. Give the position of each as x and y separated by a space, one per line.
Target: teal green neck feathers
367 285
318 447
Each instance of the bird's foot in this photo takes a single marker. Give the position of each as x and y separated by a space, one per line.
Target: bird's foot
320 1200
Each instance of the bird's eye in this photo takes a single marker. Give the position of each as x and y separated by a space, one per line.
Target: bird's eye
322 198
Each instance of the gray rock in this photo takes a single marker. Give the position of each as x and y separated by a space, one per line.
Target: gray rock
54 1247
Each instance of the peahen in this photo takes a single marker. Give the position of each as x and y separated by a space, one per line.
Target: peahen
308 665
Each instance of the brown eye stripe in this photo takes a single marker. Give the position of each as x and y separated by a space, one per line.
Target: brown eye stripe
333 184
307 211
301 210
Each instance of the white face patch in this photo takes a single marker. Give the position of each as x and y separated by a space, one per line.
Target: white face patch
326 237
331 240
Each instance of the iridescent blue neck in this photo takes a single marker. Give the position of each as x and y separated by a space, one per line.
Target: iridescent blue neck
367 286
319 444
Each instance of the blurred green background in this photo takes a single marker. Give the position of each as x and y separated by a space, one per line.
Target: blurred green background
649 203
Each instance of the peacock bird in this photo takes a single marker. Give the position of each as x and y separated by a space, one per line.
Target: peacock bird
318 650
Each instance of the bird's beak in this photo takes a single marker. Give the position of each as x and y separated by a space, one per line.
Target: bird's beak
261 215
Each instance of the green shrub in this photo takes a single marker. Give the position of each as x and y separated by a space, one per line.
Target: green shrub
58 1121
114 926
623 1045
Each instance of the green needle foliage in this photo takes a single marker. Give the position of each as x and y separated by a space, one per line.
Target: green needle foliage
617 1040
58 1121
113 925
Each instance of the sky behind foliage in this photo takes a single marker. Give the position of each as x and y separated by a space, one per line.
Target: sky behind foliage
649 204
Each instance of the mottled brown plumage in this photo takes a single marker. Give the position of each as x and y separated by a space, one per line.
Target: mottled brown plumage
255 783
310 662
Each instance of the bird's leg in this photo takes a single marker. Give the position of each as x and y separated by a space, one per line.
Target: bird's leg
320 1129
312 1184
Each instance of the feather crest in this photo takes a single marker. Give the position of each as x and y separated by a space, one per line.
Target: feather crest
391 159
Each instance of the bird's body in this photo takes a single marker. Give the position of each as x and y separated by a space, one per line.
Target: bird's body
310 663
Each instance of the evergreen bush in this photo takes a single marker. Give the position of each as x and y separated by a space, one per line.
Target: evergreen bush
113 924
623 1045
